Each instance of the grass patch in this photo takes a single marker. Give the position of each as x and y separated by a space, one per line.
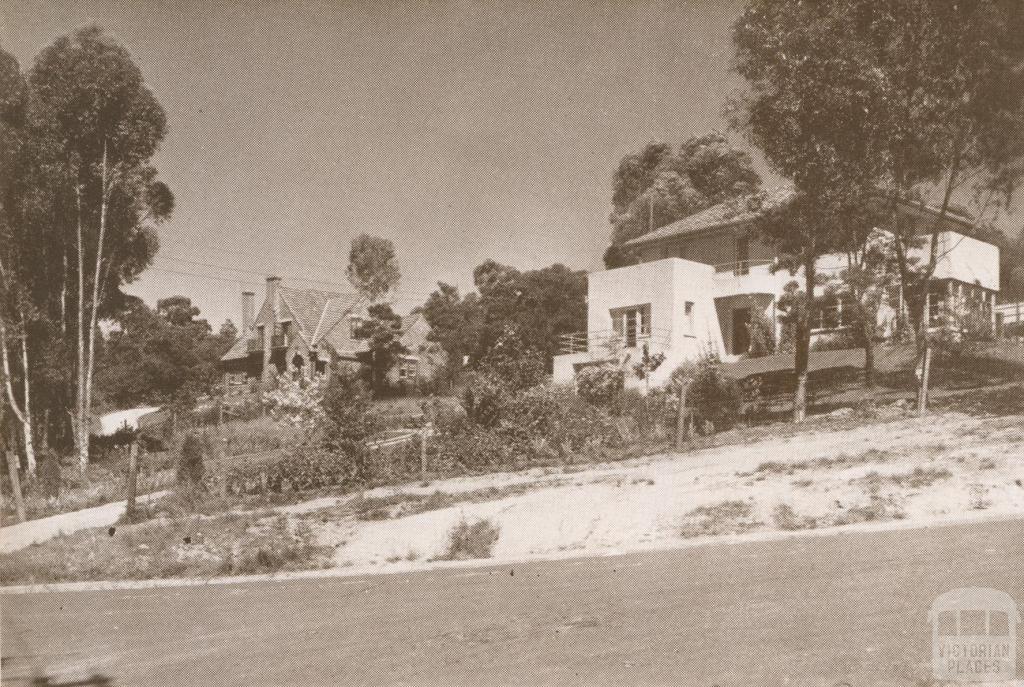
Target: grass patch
843 460
402 505
198 546
470 541
727 517
878 509
915 479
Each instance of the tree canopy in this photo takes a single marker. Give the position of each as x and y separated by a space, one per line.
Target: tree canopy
79 209
162 356
372 266
659 185
911 100
537 306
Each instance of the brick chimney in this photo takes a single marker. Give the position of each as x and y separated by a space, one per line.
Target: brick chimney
248 310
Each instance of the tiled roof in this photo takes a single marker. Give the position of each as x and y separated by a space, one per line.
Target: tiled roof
409 320
319 316
307 307
238 350
333 315
724 214
744 210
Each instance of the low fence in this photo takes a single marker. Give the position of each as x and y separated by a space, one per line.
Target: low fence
250 472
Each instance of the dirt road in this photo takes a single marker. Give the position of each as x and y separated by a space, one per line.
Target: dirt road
850 607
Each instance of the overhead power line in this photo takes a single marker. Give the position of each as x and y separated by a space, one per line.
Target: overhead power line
297 260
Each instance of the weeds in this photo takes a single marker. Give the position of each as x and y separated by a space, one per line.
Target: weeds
878 509
785 518
978 497
916 479
401 505
727 517
470 541
198 546
841 461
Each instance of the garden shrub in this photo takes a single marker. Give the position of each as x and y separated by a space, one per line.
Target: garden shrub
600 384
468 541
714 398
190 460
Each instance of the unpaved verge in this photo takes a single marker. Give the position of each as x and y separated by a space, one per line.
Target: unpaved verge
915 471
911 472
24 534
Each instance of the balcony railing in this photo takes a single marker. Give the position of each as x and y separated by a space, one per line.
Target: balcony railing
276 341
740 267
609 340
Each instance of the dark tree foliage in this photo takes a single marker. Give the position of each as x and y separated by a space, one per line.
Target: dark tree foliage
382 330
166 356
537 305
79 206
912 99
659 185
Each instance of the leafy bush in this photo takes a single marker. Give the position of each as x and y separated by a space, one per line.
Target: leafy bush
305 468
296 403
762 334
190 460
600 384
714 398
962 334
347 421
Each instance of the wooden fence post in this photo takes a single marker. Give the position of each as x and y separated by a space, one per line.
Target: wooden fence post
681 424
12 469
222 462
133 476
423 451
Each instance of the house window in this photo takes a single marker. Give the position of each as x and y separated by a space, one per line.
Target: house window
688 314
407 370
354 323
632 323
834 311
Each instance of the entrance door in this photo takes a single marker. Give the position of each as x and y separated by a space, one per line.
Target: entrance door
740 330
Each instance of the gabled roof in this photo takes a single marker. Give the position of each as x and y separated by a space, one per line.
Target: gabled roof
318 317
408 321
306 307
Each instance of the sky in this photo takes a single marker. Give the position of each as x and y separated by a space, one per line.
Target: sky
459 130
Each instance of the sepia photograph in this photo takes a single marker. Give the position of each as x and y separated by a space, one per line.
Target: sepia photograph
511 342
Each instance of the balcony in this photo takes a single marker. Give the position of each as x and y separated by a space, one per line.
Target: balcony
610 340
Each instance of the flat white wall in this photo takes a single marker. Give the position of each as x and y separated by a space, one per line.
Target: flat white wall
666 285
965 259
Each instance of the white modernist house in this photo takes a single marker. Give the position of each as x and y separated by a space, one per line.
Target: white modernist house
700 279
